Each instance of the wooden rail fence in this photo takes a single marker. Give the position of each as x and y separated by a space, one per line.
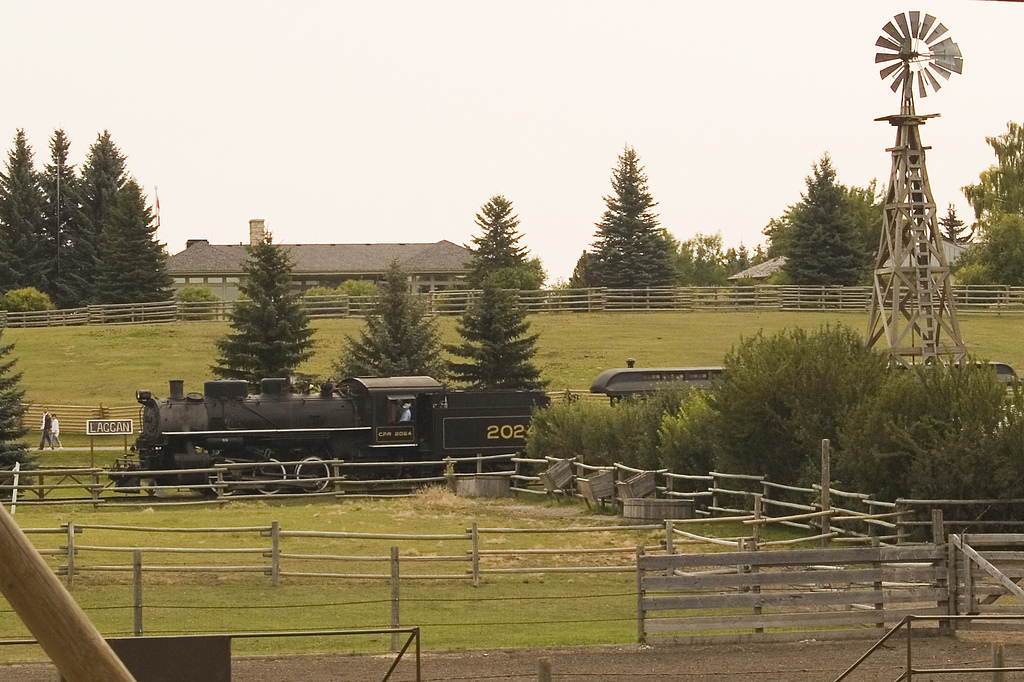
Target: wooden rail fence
981 299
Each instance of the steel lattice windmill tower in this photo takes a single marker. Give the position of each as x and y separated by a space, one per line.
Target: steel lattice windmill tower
912 306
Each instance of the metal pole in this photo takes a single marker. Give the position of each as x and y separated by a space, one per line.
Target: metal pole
275 553
476 556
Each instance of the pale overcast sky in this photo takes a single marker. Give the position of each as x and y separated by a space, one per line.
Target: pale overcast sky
340 121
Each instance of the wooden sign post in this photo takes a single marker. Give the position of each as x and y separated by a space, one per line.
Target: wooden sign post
52 616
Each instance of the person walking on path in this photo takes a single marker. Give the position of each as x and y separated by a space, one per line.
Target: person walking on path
55 432
47 425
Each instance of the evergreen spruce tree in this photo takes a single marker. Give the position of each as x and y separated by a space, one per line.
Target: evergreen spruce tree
496 344
73 254
498 254
271 334
103 176
952 228
12 449
132 266
24 250
399 338
823 244
631 251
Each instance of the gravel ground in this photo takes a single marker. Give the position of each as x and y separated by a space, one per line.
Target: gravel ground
791 662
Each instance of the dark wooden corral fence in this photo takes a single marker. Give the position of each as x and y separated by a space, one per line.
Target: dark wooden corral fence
819 593
983 299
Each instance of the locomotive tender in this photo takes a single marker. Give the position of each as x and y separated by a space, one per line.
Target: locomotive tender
363 419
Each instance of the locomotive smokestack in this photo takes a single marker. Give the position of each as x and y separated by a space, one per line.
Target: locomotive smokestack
177 389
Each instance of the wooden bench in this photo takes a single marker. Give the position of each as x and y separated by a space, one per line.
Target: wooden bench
557 477
641 485
597 487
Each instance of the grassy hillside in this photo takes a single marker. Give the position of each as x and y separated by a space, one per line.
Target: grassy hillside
93 365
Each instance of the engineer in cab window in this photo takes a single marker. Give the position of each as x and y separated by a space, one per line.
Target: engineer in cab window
405 414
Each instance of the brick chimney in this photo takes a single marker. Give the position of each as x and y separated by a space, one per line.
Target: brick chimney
257 231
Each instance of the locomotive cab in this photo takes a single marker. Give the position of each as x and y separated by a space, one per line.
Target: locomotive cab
395 407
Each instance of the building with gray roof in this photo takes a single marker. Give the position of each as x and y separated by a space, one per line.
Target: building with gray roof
432 267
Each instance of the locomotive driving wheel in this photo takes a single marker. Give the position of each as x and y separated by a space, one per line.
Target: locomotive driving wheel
269 477
313 475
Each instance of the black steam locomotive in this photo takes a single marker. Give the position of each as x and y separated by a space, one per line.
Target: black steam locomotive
289 436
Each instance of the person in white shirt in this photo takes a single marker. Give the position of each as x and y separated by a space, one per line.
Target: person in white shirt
55 432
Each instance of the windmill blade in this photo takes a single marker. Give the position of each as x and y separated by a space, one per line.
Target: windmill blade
885 42
915 23
920 85
889 70
947 54
942 71
885 57
936 85
927 24
939 31
891 30
901 19
898 81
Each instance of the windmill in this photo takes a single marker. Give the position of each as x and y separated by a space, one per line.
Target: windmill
912 305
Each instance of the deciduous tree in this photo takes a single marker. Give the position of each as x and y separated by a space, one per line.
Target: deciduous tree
1000 189
270 334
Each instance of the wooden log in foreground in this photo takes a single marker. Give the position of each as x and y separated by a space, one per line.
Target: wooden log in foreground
52 616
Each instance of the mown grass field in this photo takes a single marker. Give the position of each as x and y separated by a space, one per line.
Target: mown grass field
105 365
528 609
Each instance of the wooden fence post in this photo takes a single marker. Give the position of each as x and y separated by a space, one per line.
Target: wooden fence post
998 661
938 527
395 616
543 670
71 555
669 538
901 528
275 553
826 484
476 555
94 490
137 590
758 512
640 634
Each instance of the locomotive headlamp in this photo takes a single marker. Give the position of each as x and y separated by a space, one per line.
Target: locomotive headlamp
143 396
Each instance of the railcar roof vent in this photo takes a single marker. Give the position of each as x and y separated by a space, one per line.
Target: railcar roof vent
230 388
275 386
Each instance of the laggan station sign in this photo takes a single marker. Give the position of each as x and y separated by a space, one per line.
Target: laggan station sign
109 427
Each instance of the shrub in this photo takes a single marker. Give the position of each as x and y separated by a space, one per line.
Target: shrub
787 392
602 434
688 438
358 287
320 291
936 432
26 300
196 293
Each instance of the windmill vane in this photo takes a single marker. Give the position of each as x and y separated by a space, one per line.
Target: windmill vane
918 51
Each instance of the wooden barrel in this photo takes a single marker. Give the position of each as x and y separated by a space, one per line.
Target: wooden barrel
650 510
484 485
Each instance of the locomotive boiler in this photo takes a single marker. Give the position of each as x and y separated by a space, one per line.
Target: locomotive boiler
290 437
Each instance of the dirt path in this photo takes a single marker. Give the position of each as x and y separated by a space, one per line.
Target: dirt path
797 662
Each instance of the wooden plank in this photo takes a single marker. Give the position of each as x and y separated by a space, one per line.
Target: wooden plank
783 620
803 557
993 539
922 630
696 582
790 599
983 563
